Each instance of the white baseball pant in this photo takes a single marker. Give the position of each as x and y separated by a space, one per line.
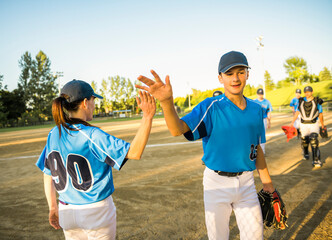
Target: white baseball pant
89 221
306 129
222 195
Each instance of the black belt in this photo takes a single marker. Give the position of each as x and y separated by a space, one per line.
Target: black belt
228 174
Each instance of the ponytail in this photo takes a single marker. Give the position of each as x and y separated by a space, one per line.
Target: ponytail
60 108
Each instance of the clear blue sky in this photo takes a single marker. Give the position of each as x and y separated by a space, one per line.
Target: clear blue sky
91 40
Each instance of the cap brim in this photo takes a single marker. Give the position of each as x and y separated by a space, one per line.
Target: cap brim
97 96
234 65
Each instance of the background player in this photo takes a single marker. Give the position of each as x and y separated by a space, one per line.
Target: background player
267 109
232 126
77 162
293 105
217 93
310 109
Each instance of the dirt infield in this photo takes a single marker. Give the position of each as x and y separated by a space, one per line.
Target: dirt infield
161 196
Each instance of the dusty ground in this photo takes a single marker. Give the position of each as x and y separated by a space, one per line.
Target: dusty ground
160 196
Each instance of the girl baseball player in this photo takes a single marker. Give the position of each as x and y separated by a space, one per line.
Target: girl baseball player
77 163
231 126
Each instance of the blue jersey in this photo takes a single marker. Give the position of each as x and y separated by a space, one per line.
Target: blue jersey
81 163
230 135
266 105
294 102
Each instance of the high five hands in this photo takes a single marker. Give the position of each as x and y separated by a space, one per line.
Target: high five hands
162 91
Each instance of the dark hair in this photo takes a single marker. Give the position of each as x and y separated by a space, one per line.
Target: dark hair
60 109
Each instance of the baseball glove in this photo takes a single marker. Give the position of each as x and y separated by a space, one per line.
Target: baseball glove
273 209
290 131
323 132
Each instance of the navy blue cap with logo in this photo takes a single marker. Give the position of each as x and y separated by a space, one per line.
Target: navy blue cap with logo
230 60
78 90
308 89
260 91
217 93
298 91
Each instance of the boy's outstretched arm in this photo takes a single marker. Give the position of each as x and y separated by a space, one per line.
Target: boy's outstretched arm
163 92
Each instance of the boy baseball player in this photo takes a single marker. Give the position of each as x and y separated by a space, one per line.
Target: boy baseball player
310 110
232 127
267 109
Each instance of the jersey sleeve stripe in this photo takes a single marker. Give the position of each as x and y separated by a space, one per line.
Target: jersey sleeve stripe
110 159
205 114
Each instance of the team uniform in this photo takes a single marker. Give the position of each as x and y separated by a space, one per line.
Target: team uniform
267 107
230 139
80 163
294 102
309 127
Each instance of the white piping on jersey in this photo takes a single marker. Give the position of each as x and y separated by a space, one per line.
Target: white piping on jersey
206 113
96 145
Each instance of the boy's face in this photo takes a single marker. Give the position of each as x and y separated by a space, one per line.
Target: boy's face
234 80
298 95
260 96
308 94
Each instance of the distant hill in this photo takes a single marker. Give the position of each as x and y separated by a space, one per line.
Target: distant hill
283 96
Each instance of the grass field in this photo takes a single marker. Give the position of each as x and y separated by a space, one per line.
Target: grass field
161 196
283 96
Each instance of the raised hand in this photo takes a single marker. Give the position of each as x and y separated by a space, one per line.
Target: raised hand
147 103
158 89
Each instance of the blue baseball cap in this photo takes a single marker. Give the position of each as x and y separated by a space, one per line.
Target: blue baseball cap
217 93
298 91
308 89
78 90
230 60
260 91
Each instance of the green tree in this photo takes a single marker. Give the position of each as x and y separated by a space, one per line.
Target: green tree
250 90
12 106
3 113
284 83
105 104
296 68
94 86
37 84
312 78
181 102
325 75
1 83
25 63
129 95
269 84
115 92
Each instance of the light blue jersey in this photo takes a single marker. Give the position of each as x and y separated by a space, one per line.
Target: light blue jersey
266 105
230 135
294 102
81 163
